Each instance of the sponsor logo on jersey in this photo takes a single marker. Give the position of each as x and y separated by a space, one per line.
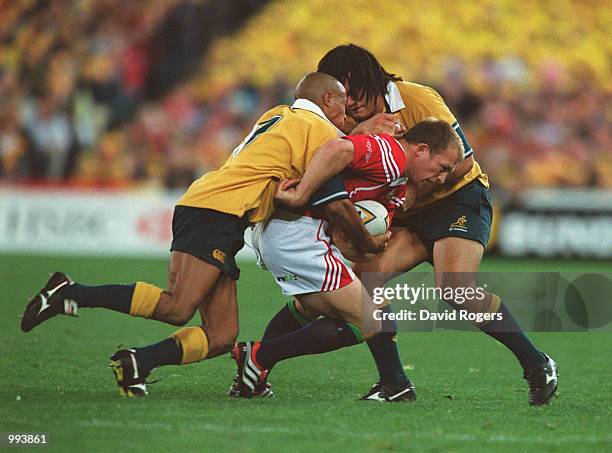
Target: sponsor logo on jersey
459 225
219 256
368 153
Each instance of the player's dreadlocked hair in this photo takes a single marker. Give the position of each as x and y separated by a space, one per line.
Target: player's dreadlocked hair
357 66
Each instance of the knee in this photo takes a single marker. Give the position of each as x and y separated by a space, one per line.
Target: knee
455 287
461 292
370 329
368 335
305 311
387 320
454 280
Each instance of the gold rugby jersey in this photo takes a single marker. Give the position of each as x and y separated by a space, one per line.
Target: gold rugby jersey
413 103
280 145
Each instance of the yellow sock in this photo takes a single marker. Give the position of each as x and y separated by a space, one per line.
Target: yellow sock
495 303
144 300
493 307
194 343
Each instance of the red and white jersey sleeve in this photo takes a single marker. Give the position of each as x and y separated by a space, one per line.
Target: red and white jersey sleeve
380 158
376 171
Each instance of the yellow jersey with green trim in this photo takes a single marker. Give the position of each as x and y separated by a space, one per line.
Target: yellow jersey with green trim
413 103
280 145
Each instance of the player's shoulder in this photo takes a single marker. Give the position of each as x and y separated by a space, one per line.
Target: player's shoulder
279 110
416 90
373 140
313 119
386 140
395 148
296 119
382 145
422 102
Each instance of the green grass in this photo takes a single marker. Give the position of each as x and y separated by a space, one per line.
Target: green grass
471 395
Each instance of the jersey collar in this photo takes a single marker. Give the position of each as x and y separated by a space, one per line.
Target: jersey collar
394 98
305 104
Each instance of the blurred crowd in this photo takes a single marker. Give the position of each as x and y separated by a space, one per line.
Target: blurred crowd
69 72
540 134
72 108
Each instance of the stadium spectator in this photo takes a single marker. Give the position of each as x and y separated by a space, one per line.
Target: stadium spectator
73 104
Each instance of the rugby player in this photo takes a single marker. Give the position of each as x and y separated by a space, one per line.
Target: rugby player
447 227
208 230
305 262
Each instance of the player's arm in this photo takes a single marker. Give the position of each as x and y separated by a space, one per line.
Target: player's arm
327 162
350 235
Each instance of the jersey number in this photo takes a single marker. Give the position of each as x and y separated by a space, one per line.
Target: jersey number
259 129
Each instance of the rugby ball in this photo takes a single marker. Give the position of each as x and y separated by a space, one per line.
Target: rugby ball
374 216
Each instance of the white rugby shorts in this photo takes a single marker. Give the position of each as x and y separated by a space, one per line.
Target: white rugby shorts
299 254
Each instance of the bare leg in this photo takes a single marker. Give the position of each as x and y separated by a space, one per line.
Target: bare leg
403 252
189 281
219 312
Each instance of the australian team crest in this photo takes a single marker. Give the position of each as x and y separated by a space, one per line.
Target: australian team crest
460 224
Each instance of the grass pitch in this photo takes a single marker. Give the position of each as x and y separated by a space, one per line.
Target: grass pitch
470 390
